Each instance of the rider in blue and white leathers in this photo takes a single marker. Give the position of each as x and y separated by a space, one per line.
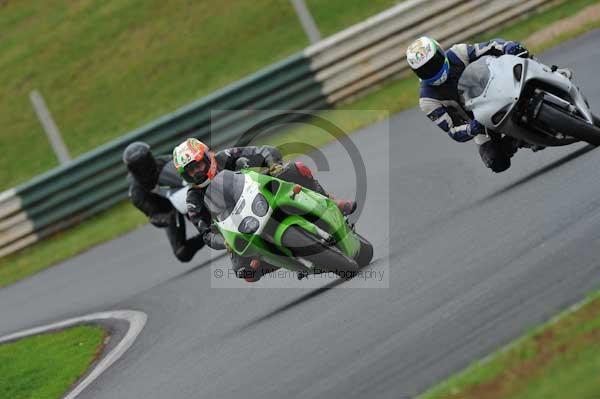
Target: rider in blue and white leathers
440 72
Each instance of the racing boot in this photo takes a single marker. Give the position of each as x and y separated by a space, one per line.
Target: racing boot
510 145
346 207
298 172
248 274
254 270
566 72
186 251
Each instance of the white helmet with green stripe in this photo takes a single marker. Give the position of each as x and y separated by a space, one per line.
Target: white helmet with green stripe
428 60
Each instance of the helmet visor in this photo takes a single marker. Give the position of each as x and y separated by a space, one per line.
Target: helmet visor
197 171
432 67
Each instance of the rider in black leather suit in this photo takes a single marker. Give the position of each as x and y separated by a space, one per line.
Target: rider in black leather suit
146 174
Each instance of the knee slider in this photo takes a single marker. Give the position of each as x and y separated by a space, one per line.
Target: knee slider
500 164
183 255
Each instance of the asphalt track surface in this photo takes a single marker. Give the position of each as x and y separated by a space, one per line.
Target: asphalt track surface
474 260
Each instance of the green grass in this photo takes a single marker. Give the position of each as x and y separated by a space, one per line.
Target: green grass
521 31
333 16
401 94
557 360
390 98
45 366
105 68
570 9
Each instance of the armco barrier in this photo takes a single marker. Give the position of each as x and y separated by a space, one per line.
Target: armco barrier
374 50
96 180
325 73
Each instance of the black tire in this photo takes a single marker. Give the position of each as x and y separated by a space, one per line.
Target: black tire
596 120
567 124
365 254
328 259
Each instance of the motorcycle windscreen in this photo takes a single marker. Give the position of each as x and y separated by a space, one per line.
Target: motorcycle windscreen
474 80
223 193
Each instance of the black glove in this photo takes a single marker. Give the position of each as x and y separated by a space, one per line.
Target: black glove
215 241
242 163
210 235
516 49
161 219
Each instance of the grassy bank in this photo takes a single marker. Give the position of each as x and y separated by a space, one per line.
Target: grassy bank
45 366
390 98
401 94
558 360
106 68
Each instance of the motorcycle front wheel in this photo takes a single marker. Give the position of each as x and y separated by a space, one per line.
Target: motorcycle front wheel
568 124
327 258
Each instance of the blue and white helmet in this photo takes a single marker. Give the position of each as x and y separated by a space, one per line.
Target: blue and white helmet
428 60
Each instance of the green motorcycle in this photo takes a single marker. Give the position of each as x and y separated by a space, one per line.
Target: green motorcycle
284 224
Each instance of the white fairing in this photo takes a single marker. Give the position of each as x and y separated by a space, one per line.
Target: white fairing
179 199
503 89
177 196
243 208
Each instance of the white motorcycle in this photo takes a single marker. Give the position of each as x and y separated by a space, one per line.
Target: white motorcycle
527 100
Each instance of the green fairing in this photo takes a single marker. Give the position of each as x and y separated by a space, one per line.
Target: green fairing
309 204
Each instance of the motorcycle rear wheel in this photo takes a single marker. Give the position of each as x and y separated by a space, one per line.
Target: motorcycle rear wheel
365 253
